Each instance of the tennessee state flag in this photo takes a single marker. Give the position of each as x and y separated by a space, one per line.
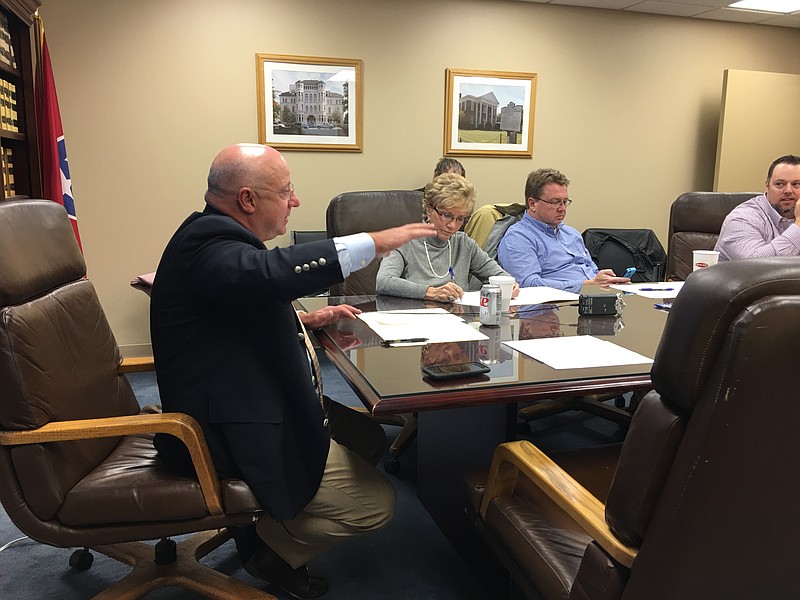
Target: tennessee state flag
56 182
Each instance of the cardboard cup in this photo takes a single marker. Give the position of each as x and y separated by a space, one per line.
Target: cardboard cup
506 283
704 258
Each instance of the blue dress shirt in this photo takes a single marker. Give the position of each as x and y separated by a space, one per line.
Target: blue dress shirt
538 255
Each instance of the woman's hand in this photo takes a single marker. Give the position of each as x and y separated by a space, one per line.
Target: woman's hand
449 292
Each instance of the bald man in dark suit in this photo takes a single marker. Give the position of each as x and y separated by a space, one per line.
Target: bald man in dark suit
231 351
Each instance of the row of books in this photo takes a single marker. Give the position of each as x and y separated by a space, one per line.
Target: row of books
6 49
8 106
7 157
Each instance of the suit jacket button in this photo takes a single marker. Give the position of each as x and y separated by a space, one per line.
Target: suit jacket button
306 267
297 269
325 422
300 336
322 262
314 264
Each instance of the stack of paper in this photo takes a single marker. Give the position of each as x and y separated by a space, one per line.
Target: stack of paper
529 295
433 325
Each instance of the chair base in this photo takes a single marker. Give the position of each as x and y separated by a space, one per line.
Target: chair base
186 571
590 404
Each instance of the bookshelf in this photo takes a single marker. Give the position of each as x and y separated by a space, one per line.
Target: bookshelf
19 155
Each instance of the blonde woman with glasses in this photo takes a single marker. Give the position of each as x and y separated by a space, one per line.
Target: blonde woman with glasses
440 268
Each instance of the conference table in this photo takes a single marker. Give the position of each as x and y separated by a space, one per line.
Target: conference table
461 421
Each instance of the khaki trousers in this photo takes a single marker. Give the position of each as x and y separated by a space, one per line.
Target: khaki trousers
353 498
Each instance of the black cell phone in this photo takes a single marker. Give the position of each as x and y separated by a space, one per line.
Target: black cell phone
455 371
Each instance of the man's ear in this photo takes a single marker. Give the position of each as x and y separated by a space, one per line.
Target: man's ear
246 200
530 203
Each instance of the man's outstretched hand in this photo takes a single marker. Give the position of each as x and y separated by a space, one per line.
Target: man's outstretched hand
391 239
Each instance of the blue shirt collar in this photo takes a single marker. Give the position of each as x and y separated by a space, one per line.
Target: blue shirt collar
542 226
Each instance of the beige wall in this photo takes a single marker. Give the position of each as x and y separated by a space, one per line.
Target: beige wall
760 121
627 107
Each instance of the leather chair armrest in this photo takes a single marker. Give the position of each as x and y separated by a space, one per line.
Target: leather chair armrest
513 459
180 425
137 364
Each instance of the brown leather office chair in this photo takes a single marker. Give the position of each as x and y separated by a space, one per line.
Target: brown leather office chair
694 223
354 212
704 497
77 463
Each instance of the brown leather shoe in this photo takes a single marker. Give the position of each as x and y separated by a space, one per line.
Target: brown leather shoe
270 567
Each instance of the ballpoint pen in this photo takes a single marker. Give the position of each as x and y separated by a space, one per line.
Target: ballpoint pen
452 275
655 289
405 341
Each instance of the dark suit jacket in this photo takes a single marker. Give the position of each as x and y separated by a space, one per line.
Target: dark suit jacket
227 351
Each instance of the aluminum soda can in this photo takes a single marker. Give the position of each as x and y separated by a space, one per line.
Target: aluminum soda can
491 305
489 349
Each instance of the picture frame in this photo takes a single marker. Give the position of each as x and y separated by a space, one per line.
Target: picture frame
309 102
489 113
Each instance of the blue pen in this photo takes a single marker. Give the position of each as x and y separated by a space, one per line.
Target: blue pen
656 289
452 275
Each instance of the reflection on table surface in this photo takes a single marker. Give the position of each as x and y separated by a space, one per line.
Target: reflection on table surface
390 379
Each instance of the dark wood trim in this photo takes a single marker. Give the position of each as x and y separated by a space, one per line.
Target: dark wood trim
24 9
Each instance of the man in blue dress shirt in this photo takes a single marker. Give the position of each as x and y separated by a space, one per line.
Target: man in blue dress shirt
540 250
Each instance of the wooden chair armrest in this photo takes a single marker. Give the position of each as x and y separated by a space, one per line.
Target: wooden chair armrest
523 458
137 364
180 425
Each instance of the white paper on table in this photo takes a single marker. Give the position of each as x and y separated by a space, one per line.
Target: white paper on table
435 327
527 295
577 352
415 311
655 290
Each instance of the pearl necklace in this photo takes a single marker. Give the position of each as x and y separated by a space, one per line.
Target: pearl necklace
449 259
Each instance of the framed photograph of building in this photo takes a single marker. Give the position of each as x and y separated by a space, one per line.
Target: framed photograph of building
489 113
309 102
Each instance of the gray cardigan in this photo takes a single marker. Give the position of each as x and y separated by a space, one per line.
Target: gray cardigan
405 272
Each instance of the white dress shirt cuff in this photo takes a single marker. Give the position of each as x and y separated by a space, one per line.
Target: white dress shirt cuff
355 251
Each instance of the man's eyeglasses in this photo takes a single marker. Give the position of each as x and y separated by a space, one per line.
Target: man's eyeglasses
564 203
282 194
448 217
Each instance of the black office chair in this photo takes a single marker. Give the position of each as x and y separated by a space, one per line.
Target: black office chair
302 237
695 220
618 249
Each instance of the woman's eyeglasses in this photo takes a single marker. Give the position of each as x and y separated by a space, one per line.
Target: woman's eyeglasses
449 217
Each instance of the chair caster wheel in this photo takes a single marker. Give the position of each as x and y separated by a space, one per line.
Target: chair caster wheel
523 427
392 466
81 560
166 552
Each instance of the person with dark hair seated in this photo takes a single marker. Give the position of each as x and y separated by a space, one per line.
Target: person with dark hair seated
766 225
449 165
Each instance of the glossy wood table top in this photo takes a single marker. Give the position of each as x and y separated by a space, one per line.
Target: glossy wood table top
390 380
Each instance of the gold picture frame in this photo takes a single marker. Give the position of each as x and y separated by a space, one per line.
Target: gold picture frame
489 113
309 102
